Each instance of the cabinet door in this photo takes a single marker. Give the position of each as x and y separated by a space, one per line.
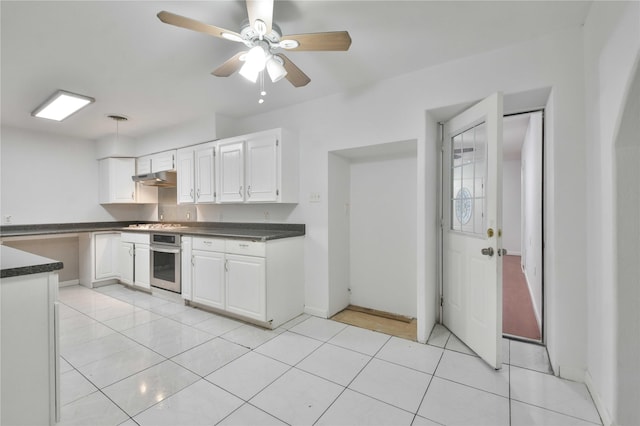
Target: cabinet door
142 269
208 278
106 252
262 169
231 167
143 165
246 286
125 265
116 185
186 190
205 187
163 161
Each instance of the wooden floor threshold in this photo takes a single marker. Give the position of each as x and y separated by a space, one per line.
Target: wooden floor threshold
370 319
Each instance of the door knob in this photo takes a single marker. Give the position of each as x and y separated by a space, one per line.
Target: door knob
502 252
488 251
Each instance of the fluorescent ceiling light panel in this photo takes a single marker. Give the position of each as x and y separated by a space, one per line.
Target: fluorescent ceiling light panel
61 105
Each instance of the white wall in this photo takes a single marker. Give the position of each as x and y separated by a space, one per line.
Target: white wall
53 179
611 48
383 233
395 110
531 160
511 211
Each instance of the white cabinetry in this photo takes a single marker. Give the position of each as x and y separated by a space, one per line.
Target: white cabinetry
196 177
143 165
259 168
135 260
116 185
99 257
30 379
262 282
163 161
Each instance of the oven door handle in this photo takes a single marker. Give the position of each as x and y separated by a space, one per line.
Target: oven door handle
163 250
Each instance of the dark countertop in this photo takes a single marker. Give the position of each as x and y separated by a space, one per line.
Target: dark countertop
14 263
248 231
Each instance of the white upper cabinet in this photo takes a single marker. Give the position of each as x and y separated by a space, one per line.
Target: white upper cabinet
259 168
163 161
185 180
196 174
143 165
116 185
231 171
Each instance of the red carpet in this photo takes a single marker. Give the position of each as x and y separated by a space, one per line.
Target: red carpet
518 317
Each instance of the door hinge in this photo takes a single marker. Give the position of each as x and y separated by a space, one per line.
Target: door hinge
277 192
277 142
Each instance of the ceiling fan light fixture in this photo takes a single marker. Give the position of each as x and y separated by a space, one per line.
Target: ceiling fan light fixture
276 69
289 44
260 27
232 37
254 63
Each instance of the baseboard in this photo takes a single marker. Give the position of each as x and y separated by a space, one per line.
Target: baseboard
68 283
316 312
597 399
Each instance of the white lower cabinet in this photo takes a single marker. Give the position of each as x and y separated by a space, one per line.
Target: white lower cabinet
135 260
262 282
99 258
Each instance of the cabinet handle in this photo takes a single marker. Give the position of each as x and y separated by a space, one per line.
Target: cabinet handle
207 242
240 191
133 195
243 245
193 260
198 193
226 265
191 193
249 190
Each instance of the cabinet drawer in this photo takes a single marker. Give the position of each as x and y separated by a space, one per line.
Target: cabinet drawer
208 244
135 237
249 248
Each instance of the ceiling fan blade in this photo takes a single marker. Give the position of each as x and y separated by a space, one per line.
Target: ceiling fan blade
232 65
260 10
334 40
192 24
294 74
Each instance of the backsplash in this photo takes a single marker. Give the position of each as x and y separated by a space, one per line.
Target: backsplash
170 211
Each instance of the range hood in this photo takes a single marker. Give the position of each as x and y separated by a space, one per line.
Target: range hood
160 179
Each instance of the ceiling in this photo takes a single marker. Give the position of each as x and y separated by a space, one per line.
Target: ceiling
158 75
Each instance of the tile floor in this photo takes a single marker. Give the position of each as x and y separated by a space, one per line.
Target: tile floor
131 358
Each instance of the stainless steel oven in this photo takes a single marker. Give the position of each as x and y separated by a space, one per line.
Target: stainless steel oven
165 262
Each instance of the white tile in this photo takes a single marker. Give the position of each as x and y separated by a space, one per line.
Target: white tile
167 337
531 356
129 422
295 321
96 349
553 393
333 363
394 384
421 421
289 347
251 336
352 408
139 392
318 328
455 344
250 415
74 386
209 356
248 375
198 404
114 311
131 320
359 339
120 365
454 404
94 409
81 335
506 350
527 415
411 354
191 316
218 325
473 371
169 309
65 366
439 336
297 397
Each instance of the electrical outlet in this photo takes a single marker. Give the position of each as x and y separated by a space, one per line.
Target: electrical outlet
314 197
7 219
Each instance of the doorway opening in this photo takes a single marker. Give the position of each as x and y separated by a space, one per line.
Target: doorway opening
522 187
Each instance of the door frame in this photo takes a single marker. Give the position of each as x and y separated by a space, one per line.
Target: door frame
440 225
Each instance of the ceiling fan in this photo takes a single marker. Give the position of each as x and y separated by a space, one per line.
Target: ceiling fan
264 39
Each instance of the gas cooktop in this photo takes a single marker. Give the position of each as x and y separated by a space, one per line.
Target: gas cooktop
157 226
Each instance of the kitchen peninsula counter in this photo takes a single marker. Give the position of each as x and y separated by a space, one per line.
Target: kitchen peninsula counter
14 263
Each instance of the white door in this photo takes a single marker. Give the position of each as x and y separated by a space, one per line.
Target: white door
231 168
472 246
205 188
262 169
142 266
208 278
246 286
186 188
126 262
